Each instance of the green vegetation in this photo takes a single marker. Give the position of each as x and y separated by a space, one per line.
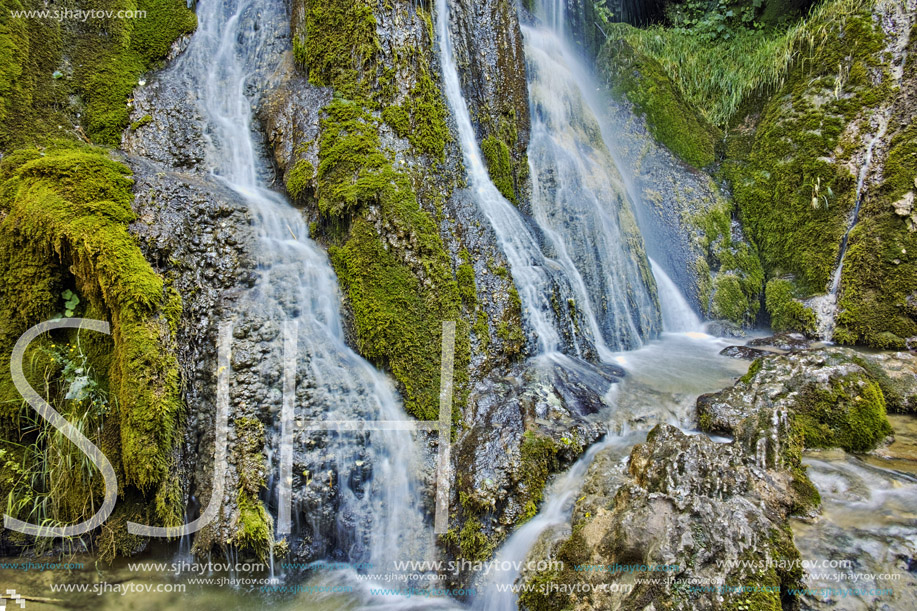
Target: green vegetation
787 312
718 62
337 44
539 461
300 178
254 526
850 414
509 328
397 320
499 166
73 79
877 304
642 80
65 248
385 247
738 277
793 199
471 541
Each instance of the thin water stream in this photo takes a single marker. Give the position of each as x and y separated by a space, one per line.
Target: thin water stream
296 289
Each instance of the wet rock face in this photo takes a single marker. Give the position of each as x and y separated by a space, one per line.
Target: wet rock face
783 341
815 399
291 117
194 231
706 507
744 352
488 50
522 427
674 507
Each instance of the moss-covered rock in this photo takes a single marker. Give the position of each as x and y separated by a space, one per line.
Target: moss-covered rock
385 246
641 536
65 212
878 300
254 528
72 78
672 121
499 166
812 399
794 191
787 312
733 292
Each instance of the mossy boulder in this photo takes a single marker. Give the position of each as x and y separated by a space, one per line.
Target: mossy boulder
64 215
72 78
878 300
376 218
788 313
641 534
736 277
822 398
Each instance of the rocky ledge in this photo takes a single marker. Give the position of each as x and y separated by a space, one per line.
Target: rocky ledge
689 523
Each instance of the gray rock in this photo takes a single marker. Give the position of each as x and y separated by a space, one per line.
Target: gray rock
744 352
675 508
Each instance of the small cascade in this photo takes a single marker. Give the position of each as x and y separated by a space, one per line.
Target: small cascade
677 314
825 306
589 276
861 179
579 200
377 499
554 513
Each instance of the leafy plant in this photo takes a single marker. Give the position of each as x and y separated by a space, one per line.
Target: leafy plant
71 300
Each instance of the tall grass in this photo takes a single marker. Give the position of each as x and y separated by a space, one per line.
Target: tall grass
717 76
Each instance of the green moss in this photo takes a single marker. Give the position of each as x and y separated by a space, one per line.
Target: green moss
338 44
499 166
729 302
397 321
482 329
787 313
510 329
144 120
794 199
473 544
466 285
67 211
849 415
107 58
671 120
421 118
385 247
300 178
878 300
731 274
254 527
539 461
398 309
752 371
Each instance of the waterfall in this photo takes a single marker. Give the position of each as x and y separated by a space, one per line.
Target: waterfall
585 251
296 289
861 180
579 199
677 314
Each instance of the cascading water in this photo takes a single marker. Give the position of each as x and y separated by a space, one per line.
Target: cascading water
296 288
677 315
569 126
579 200
608 292
825 306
